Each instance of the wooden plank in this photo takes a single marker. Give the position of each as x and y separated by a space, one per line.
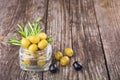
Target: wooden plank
11 13
58 26
86 41
108 17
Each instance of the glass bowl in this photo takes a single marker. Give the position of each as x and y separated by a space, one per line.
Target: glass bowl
35 61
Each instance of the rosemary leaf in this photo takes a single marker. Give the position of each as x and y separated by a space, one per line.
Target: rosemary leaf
14 41
26 31
22 33
31 27
49 39
39 19
20 27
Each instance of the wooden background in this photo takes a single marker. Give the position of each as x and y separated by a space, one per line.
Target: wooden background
90 27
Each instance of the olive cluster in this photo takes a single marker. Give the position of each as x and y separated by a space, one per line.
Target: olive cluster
64 59
35 42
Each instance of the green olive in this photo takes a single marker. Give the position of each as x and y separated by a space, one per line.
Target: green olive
26 62
58 55
64 60
34 39
41 62
42 35
42 44
33 47
68 52
25 43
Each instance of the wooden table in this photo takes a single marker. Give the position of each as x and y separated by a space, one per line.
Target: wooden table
90 27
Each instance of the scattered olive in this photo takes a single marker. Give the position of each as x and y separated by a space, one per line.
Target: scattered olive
64 60
53 68
68 52
77 66
58 55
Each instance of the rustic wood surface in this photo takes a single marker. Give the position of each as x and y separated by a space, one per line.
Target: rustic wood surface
90 27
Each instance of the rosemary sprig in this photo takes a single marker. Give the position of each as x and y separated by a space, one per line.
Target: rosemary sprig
49 39
14 41
28 30
30 26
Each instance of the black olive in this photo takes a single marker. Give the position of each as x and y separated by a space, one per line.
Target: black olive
53 68
77 66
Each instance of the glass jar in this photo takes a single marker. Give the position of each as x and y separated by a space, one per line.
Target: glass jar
35 61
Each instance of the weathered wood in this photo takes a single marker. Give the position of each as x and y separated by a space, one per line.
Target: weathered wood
86 41
90 27
58 26
11 13
85 38
108 18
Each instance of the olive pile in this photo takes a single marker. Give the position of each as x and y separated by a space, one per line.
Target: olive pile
64 59
35 42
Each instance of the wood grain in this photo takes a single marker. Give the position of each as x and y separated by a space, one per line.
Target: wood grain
58 26
90 27
81 28
108 18
86 41
11 13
